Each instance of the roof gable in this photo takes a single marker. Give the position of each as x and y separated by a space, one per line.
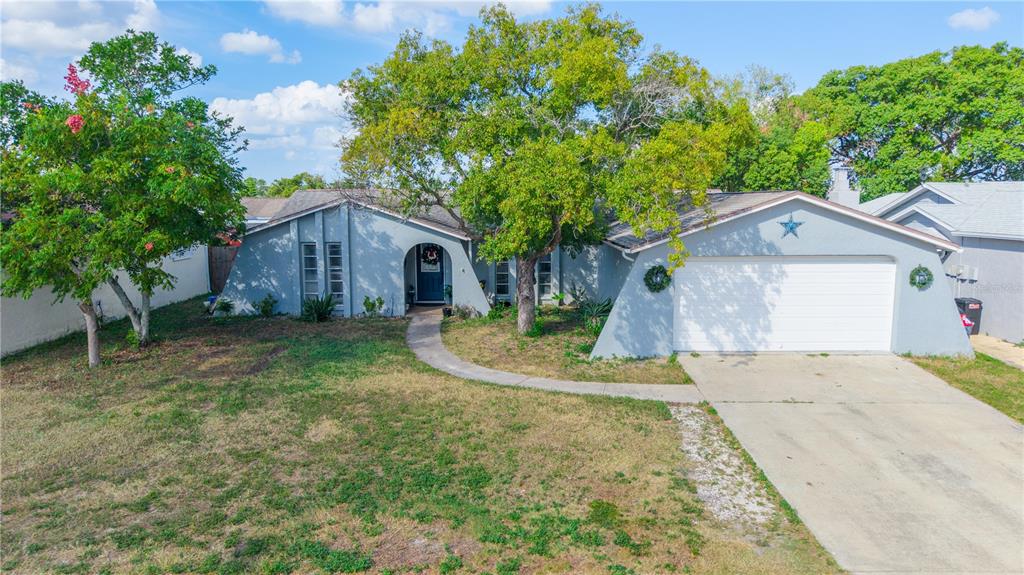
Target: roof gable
976 209
304 202
765 200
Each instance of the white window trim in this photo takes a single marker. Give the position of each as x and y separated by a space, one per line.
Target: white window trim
340 268
316 268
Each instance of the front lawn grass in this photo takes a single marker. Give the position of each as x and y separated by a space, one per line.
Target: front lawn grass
986 378
268 445
559 348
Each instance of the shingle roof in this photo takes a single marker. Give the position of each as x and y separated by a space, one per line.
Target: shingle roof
720 205
980 208
262 208
307 201
878 204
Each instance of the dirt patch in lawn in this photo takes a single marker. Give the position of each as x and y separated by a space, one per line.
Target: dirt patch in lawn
559 349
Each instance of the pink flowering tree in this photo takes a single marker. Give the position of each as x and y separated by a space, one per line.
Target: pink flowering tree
100 188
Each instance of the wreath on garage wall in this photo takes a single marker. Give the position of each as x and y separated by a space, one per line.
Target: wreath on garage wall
657 278
921 277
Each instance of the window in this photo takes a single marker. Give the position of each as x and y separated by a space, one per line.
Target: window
501 279
335 281
544 276
310 276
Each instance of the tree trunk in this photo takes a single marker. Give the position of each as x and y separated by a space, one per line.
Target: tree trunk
525 299
140 321
144 320
92 326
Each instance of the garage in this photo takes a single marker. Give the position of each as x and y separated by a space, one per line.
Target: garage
784 304
780 272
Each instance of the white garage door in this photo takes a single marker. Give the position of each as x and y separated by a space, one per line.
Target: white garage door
784 304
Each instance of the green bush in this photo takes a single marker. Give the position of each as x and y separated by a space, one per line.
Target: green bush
224 305
372 307
593 313
317 309
265 306
536 330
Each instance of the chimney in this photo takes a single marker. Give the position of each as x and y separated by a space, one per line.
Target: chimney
841 192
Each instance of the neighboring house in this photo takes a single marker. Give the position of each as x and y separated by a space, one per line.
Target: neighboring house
773 271
986 219
27 322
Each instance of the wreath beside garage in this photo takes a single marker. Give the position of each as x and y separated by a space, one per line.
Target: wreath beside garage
657 278
921 277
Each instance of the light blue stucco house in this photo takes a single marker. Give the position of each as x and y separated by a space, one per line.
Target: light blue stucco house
771 271
986 219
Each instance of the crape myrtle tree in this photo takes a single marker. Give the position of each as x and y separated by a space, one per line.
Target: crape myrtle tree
952 116
116 178
535 134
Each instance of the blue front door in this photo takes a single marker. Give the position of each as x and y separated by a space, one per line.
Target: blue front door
429 273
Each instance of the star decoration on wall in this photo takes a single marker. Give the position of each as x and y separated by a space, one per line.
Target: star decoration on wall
790 227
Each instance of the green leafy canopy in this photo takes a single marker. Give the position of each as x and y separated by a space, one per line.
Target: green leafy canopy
147 173
535 134
947 116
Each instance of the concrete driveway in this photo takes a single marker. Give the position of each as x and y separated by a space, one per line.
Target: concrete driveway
893 470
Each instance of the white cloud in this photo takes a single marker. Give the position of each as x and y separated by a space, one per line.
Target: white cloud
13 71
197 59
44 28
433 18
377 17
290 141
315 12
285 107
328 136
300 122
144 17
250 42
971 19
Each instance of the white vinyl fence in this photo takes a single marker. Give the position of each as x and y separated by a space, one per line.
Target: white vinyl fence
27 322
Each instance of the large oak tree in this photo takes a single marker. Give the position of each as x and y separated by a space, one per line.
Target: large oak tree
952 116
534 134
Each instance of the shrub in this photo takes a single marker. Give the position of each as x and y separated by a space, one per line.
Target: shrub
593 314
224 305
500 310
317 309
265 306
536 330
373 307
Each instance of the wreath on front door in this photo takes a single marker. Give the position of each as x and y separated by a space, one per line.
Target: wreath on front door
657 278
430 255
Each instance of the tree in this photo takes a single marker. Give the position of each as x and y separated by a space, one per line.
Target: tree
532 134
254 187
773 145
118 178
954 116
285 187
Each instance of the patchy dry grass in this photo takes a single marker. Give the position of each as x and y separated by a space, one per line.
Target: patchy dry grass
274 446
984 377
561 350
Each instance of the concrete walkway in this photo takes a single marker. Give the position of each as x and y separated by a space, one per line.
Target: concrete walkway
424 338
893 470
1004 351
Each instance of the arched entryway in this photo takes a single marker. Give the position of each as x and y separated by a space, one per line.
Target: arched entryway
427 271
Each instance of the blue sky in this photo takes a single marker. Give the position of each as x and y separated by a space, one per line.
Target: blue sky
280 61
